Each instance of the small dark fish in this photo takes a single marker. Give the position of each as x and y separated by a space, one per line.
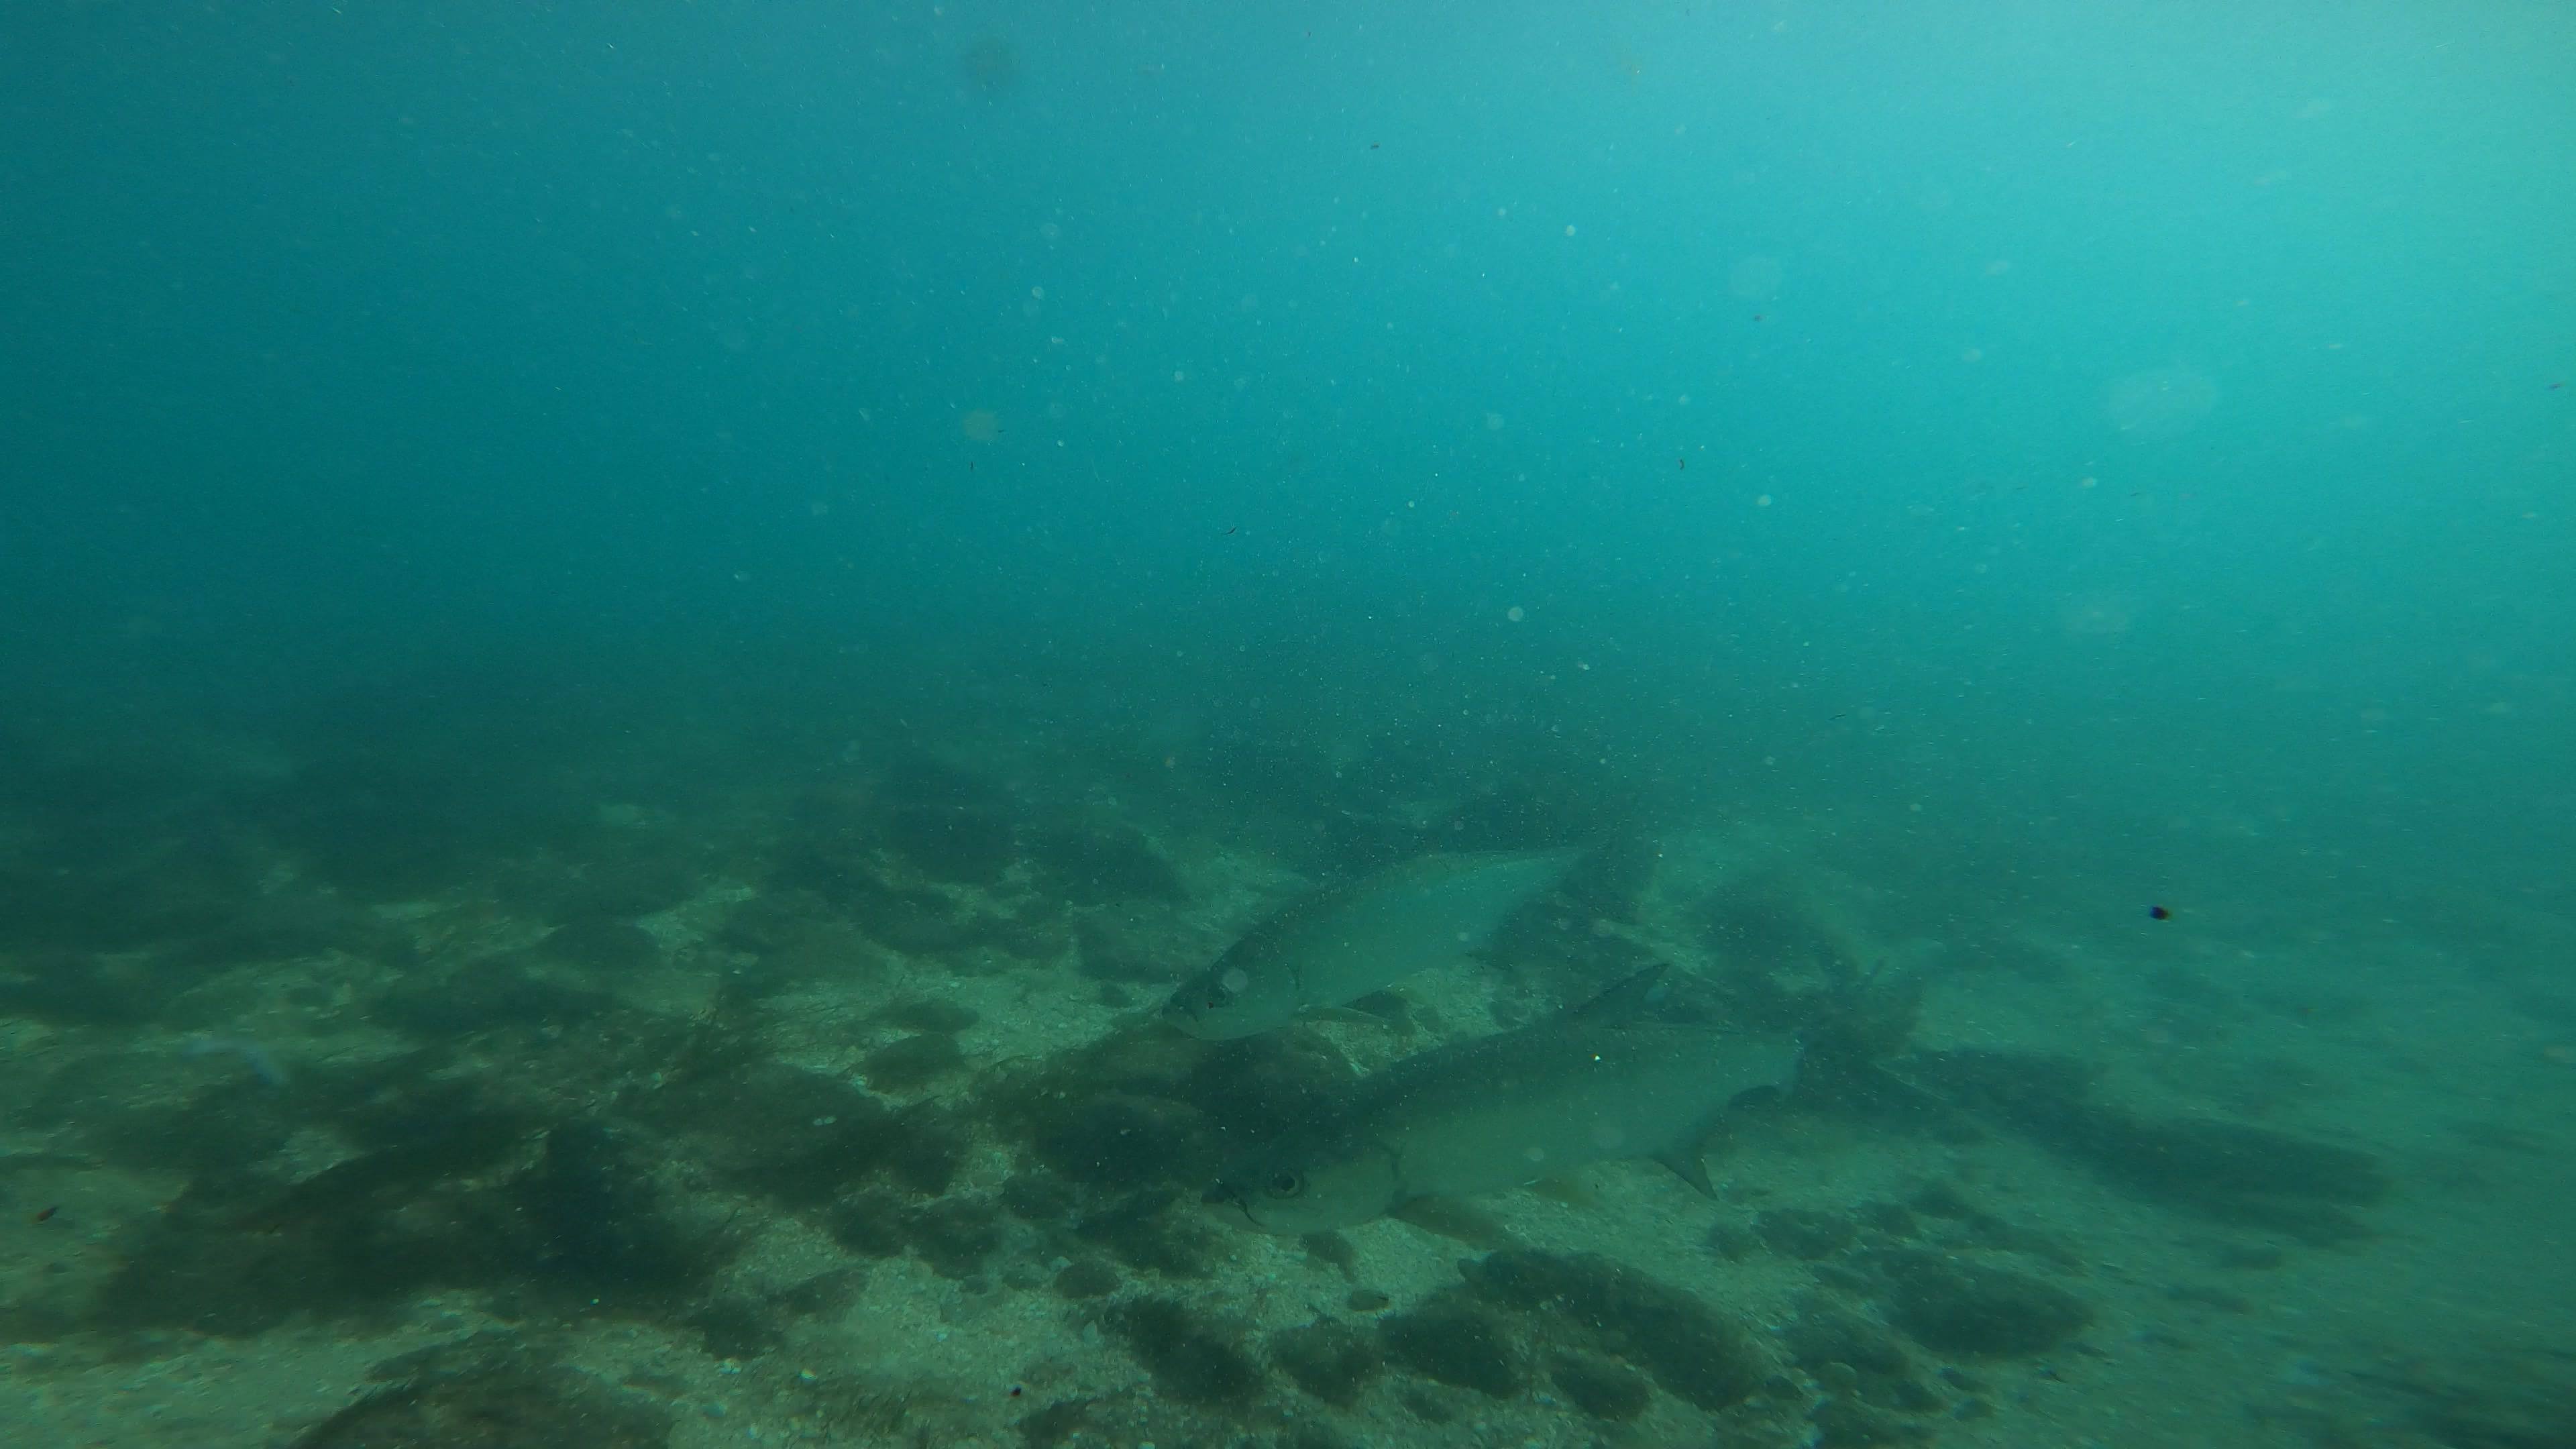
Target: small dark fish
48 1213
2158 913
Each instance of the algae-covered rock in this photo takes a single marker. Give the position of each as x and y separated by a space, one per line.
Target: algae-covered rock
1189 1356
1456 1343
1968 1309
1600 1387
602 944
1697 1354
1095 864
1804 1232
1329 1360
505 1405
911 1063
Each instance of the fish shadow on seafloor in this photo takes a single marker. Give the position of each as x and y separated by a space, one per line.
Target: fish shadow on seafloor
2227 1172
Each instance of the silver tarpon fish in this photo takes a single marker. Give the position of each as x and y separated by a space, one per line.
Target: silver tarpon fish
1595 1084
1339 945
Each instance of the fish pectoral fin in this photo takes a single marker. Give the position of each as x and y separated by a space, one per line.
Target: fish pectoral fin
1685 1164
1569 1189
1353 1016
1457 1220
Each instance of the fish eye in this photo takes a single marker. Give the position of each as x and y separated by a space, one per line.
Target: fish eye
1287 1184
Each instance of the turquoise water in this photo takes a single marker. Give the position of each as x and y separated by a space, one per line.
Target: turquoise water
635 642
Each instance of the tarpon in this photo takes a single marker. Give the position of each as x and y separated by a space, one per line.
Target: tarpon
1339 945
1599 1083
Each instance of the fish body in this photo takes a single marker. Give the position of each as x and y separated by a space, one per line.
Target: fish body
1339 945
1596 1084
262 1064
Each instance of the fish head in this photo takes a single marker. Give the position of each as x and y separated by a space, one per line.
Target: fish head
1310 1186
1222 1003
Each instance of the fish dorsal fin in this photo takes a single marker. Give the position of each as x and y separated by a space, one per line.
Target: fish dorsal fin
1686 1165
1626 1004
